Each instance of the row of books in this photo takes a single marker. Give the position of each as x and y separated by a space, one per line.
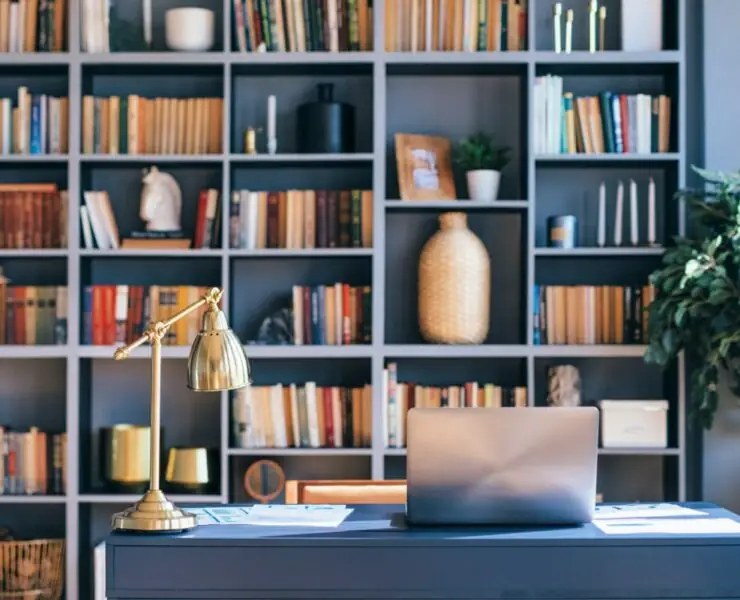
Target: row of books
302 416
32 315
118 314
588 314
455 25
33 25
34 124
301 219
137 125
399 398
303 25
32 462
337 314
100 228
33 216
606 123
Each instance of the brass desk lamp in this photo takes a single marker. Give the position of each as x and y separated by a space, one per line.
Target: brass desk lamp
217 362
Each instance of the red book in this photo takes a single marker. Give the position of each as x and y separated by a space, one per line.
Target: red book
328 417
200 220
346 321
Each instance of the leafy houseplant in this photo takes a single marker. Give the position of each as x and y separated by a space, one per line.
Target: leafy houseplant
697 303
482 160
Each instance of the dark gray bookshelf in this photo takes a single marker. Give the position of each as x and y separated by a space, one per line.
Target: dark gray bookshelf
81 388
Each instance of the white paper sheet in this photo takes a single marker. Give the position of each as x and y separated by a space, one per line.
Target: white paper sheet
291 515
697 526
644 511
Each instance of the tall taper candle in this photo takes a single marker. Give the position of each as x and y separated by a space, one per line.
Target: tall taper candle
557 15
568 31
146 15
634 218
592 9
271 125
601 234
651 213
602 28
618 215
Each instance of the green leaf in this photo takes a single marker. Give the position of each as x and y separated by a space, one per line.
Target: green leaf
713 245
680 317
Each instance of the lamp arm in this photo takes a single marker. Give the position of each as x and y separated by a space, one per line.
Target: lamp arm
157 330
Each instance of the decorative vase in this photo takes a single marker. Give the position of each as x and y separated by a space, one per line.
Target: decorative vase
325 126
483 185
454 284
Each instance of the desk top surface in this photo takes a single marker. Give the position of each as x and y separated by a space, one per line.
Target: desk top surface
380 525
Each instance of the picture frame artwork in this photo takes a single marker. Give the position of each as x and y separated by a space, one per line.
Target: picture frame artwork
424 165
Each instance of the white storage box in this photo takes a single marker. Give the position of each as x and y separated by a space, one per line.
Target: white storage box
634 423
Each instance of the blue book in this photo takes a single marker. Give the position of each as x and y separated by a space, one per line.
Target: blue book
35 145
536 316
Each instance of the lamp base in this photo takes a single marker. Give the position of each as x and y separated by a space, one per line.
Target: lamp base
153 514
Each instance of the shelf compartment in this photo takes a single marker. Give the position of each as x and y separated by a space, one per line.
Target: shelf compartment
504 236
273 177
259 288
32 401
296 466
35 520
114 392
250 90
421 105
624 378
573 189
126 19
543 35
123 184
638 478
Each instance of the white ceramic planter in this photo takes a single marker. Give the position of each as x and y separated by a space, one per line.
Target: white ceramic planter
189 29
483 185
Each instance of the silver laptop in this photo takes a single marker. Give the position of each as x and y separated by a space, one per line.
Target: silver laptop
501 466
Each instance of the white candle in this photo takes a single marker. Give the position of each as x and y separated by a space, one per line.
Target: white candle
634 236
271 124
618 215
601 239
651 212
146 11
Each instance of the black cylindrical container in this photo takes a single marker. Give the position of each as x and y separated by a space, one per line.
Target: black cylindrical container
326 126
562 231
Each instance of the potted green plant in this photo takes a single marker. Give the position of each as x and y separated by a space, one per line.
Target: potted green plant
697 303
482 160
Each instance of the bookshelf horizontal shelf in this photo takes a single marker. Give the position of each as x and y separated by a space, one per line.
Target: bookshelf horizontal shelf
598 252
131 498
300 451
589 351
300 158
608 157
24 352
33 158
602 452
609 57
300 253
149 253
255 351
149 58
34 253
31 499
34 59
455 205
151 158
300 58
455 351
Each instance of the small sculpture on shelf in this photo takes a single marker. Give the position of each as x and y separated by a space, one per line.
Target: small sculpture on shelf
563 386
277 329
161 201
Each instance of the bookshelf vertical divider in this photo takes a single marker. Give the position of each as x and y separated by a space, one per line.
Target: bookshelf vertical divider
383 67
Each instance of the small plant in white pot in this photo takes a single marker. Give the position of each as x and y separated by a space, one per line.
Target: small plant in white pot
482 160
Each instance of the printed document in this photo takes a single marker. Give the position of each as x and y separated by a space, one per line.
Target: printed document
696 526
275 515
644 511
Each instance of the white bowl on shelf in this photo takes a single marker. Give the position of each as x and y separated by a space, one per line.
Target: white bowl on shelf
189 29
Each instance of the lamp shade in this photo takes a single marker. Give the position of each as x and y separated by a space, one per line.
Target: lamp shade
217 359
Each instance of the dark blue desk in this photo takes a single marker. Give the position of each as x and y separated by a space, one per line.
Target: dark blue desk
373 556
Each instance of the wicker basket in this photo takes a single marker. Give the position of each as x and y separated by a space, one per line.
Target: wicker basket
454 285
32 570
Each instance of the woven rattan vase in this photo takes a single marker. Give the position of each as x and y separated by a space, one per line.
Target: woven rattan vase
454 285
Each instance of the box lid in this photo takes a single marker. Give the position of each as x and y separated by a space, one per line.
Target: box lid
648 405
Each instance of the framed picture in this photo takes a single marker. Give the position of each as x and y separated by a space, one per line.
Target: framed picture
424 167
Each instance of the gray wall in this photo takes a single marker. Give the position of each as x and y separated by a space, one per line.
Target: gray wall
721 145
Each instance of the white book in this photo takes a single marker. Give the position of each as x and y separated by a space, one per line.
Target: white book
13 27
312 415
277 411
87 235
96 221
7 117
384 409
99 572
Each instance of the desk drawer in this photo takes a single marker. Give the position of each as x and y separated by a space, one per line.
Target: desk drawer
344 572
